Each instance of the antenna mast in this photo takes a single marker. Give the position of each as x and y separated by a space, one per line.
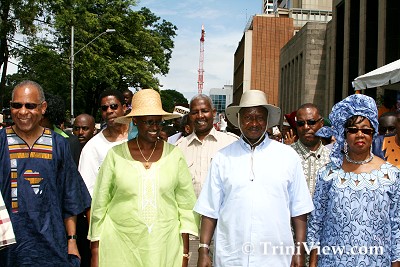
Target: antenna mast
200 80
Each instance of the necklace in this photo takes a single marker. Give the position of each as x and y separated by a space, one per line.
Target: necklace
147 164
359 162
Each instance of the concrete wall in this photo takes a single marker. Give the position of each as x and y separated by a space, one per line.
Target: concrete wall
303 67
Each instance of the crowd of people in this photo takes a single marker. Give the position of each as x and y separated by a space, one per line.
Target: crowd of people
316 191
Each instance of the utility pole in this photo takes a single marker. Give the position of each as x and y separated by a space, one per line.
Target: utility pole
72 59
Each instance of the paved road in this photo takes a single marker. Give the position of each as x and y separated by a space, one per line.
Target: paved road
193 247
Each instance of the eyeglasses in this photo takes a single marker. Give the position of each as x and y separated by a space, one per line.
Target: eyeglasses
354 130
387 129
17 105
152 123
309 122
112 106
77 128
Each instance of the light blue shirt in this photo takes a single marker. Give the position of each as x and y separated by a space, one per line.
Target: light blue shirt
132 131
253 195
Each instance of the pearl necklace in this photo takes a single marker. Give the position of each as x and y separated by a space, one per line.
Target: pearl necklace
359 162
147 164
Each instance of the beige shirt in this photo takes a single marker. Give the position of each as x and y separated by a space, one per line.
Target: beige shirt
199 154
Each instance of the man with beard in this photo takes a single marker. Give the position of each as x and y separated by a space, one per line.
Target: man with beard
84 128
312 152
112 106
200 146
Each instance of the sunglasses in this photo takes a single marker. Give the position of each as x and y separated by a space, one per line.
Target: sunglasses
354 130
17 105
77 128
387 129
112 106
309 122
152 123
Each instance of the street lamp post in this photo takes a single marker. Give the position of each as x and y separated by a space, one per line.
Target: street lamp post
72 58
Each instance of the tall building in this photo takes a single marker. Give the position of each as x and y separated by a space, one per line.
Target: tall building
363 35
221 97
272 6
301 11
366 36
303 69
256 60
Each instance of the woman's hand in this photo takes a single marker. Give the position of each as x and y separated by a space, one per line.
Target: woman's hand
94 262
185 261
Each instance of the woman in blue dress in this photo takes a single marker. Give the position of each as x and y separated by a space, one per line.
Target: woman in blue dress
357 211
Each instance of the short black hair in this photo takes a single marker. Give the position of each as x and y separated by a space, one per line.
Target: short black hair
117 94
55 111
310 105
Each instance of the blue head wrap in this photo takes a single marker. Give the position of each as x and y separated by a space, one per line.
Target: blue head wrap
357 104
325 132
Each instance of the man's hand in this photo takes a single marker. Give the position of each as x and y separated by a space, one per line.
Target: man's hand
204 259
73 248
289 137
298 261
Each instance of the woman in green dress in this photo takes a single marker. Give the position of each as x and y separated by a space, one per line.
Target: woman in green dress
142 207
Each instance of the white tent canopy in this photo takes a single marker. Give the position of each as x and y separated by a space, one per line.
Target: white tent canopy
386 75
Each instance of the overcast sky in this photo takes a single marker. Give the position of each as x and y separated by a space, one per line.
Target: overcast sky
224 22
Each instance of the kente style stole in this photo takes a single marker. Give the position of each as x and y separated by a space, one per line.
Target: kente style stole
18 149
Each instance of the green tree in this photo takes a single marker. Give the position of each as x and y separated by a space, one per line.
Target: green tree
133 56
17 16
170 98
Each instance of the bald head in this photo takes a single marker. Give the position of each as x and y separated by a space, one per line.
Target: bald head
84 128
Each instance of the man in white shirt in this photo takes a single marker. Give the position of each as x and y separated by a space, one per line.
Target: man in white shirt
112 106
254 190
200 147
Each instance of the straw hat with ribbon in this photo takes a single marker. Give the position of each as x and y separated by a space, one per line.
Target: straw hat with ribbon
254 98
146 102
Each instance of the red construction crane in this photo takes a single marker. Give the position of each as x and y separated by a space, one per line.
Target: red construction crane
200 80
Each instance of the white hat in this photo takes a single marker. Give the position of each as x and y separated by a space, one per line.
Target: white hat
254 98
181 111
146 102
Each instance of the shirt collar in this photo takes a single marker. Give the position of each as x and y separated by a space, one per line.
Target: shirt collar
212 134
306 152
261 145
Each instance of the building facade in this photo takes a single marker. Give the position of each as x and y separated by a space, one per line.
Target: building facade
366 36
256 60
303 69
221 97
362 36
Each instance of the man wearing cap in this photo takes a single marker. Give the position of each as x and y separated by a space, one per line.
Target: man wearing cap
112 106
200 146
254 190
181 111
312 152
